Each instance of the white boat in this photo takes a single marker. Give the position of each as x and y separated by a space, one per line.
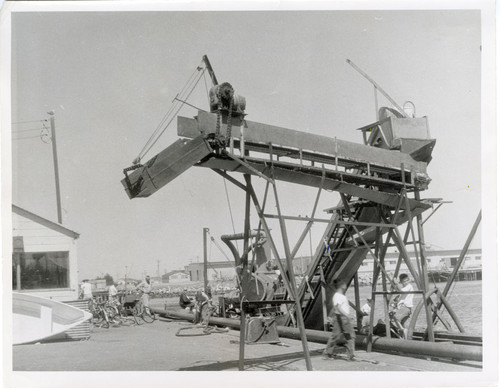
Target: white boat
36 319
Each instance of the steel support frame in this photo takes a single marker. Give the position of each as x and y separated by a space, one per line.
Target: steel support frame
288 273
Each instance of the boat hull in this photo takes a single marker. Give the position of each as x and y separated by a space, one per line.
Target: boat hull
36 319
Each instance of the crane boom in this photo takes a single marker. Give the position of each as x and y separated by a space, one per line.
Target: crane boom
210 70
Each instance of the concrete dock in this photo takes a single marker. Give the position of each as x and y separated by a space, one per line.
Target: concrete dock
155 347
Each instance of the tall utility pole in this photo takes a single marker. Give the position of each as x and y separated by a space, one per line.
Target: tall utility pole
56 165
158 268
205 259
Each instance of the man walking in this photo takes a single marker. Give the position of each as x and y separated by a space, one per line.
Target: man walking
342 329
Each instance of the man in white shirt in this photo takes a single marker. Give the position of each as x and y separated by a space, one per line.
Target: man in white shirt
366 310
86 290
342 328
112 293
404 303
146 287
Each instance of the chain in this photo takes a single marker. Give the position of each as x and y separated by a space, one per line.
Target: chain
219 107
229 117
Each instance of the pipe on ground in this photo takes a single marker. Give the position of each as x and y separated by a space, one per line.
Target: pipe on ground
380 344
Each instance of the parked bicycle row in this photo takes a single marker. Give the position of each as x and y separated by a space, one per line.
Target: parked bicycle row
128 309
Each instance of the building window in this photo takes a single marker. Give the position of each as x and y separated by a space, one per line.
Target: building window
392 261
41 270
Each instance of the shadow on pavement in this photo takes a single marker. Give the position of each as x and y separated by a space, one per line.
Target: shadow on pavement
272 363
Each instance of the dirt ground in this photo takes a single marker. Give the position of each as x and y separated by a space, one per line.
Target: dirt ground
155 347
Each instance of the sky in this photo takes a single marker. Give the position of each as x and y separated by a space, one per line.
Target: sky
111 76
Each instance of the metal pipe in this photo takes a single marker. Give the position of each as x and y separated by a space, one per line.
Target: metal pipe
377 87
380 344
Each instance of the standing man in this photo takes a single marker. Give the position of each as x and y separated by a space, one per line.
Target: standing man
342 329
366 310
202 300
146 287
112 293
404 303
86 292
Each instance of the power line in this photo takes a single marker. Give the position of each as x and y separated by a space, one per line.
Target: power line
28 130
27 138
29 121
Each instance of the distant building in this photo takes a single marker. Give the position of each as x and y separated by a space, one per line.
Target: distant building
217 270
224 270
443 260
436 260
44 258
98 285
177 276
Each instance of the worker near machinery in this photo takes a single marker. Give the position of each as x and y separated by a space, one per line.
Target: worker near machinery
185 301
366 310
404 304
145 287
342 328
201 300
86 292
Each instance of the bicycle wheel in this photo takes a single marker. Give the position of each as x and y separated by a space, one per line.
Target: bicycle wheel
148 316
105 321
97 318
113 313
136 314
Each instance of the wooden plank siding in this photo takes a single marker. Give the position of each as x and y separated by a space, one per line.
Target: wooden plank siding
41 235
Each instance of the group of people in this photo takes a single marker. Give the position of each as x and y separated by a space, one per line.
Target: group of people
145 288
197 304
340 317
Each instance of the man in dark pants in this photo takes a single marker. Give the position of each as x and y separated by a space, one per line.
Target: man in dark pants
185 301
342 329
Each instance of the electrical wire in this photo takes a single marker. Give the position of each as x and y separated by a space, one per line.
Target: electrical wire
170 121
175 107
28 130
27 138
28 121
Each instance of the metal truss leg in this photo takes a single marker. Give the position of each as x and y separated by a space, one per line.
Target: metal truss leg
425 277
298 307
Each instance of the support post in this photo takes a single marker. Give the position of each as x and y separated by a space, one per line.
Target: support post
298 307
18 271
372 306
425 277
205 260
359 317
56 165
241 360
323 299
246 236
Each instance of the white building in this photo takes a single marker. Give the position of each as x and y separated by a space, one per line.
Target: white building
443 260
44 258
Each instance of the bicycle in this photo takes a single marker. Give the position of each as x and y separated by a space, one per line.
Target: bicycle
143 312
100 317
118 313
